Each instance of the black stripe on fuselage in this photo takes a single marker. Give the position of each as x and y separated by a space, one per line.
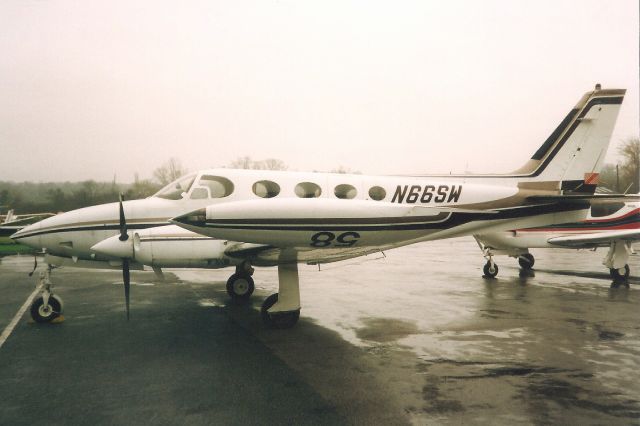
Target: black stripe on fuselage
390 224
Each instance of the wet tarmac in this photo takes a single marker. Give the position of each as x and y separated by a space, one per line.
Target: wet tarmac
417 337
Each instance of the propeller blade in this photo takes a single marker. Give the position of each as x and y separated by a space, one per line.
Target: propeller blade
123 223
127 283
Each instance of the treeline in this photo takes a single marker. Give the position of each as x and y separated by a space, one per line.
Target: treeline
54 197
30 197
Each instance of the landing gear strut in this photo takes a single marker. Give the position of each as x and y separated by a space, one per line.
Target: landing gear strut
526 261
48 306
620 274
282 309
617 260
240 285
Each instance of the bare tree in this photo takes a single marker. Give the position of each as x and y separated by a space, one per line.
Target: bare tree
242 163
169 171
630 167
273 164
247 163
345 170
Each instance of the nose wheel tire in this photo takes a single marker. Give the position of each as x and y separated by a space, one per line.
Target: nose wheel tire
46 313
240 287
526 261
279 320
490 270
620 274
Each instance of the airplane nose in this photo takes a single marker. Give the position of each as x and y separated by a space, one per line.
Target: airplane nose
114 247
28 236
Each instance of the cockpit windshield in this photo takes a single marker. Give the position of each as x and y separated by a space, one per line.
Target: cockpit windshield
176 189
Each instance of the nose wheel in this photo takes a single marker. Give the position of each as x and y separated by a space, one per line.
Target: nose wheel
43 312
48 306
490 269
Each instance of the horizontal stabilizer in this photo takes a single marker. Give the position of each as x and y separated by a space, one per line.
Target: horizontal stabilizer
583 197
594 239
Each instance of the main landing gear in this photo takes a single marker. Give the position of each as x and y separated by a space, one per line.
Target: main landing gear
279 310
490 269
240 285
526 261
617 259
48 306
282 309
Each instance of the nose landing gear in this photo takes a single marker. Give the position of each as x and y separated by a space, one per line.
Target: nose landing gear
48 306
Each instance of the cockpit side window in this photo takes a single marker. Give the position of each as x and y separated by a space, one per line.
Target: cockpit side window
219 187
199 193
176 189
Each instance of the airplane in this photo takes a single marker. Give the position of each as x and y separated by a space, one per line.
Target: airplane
609 224
244 218
12 222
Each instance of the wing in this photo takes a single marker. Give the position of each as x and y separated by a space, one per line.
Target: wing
596 239
267 255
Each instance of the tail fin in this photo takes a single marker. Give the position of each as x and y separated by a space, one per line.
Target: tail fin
9 217
572 156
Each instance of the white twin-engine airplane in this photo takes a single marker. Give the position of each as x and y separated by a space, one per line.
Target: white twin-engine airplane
246 218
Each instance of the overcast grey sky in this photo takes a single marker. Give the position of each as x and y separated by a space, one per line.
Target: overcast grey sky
89 89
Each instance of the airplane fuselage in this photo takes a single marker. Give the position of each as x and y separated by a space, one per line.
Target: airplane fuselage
72 234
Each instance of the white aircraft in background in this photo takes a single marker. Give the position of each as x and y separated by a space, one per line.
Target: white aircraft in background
609 224
13 222
262 218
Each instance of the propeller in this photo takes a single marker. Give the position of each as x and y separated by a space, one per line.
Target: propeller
125 261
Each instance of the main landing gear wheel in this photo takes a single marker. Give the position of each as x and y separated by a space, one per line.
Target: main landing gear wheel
240 287
526 261
279 319
46 313
490 269
620 274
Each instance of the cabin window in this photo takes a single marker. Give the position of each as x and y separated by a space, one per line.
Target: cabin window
377 193
266 189
308 190
605 209
219 187
345 191
176 189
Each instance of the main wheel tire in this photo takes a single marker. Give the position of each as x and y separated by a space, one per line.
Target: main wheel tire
490 271
240 287
621 274
279 320
526 261
41 313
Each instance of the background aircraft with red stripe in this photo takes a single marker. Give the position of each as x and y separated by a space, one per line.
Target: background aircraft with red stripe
612 224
